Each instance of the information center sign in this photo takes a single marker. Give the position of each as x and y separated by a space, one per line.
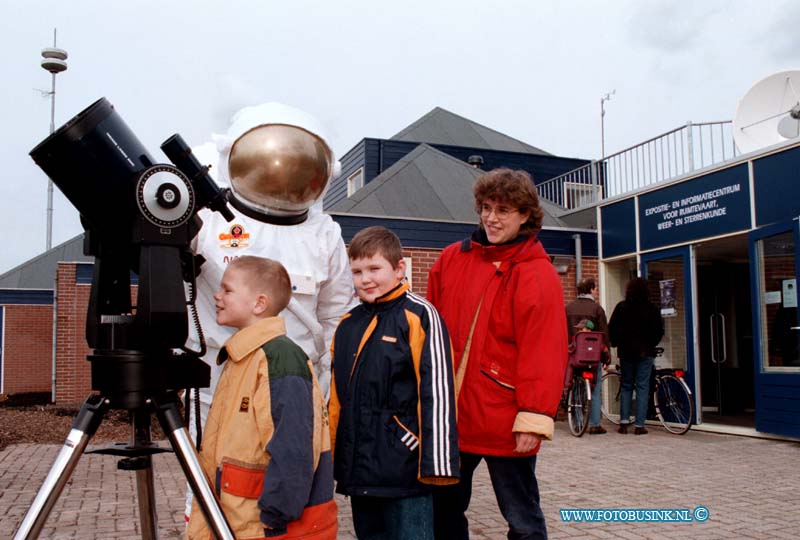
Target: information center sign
710 205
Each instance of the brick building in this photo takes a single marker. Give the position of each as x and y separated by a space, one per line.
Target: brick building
28 300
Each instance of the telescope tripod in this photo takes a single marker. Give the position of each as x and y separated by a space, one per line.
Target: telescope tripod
137 456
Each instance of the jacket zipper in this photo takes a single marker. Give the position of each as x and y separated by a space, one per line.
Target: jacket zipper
351 397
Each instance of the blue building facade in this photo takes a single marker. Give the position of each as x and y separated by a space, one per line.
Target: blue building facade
720 249
373 156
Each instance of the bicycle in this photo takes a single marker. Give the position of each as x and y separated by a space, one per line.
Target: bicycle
585 355
578 399
671 398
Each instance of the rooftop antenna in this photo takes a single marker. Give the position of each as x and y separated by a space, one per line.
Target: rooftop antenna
54 61
769 113
606 97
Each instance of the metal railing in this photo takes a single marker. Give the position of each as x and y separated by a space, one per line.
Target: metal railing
666 156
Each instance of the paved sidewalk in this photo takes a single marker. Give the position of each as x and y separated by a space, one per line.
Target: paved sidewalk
751 488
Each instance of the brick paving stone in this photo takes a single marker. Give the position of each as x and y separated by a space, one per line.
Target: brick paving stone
750 487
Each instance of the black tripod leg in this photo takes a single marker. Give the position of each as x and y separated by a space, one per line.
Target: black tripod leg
145 491
170 419
85 425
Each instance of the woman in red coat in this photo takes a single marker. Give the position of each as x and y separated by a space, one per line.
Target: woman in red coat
502 302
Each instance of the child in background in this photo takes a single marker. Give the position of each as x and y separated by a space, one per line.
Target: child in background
598 353
392 409
604 357
267 442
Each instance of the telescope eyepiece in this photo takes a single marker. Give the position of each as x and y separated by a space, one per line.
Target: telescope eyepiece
168 196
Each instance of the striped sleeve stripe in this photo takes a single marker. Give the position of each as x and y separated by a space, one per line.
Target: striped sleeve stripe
409 439
440 389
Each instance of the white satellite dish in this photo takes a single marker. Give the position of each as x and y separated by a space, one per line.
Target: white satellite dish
769 113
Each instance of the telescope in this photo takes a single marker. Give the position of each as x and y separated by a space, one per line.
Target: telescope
139 217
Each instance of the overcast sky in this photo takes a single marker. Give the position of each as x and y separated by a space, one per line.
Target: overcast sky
532 69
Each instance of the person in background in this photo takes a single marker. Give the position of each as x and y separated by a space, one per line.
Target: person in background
392 409
502 301
585 307
635 329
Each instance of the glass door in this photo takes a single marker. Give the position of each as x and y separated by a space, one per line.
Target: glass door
669 273
776 327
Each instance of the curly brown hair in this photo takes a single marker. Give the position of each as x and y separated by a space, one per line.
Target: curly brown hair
514 188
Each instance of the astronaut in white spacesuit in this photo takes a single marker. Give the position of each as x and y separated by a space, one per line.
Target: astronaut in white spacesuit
277 161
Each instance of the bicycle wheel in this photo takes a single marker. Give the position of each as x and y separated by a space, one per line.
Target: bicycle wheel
674 406
609 402
578 406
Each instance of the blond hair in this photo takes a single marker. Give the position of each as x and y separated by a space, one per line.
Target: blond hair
266 276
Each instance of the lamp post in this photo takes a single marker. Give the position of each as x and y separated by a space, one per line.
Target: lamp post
54 61
606 97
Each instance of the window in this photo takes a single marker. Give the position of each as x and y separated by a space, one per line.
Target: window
577 195
355 181
778 291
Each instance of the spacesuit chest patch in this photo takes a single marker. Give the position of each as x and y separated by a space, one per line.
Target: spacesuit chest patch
303 284
235 237
245 404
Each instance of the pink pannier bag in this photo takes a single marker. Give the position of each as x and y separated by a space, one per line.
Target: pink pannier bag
586 349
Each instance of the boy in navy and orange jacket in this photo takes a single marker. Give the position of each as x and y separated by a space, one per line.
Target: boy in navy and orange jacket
392 409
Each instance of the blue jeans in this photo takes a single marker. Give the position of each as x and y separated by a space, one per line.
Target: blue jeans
382 518
635 373
597 395
516 491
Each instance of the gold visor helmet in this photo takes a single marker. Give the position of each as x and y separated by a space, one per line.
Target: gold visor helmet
279 161
279 167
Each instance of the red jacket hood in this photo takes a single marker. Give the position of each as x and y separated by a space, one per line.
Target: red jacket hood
524 248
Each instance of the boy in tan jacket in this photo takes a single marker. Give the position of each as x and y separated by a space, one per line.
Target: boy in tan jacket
266 448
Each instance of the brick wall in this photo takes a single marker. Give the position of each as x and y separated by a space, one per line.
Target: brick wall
73 373
27 348
568 280
421 262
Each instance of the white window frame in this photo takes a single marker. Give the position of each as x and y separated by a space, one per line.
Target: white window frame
577 194
355 181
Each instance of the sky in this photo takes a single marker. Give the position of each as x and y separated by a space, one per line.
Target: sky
533 69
